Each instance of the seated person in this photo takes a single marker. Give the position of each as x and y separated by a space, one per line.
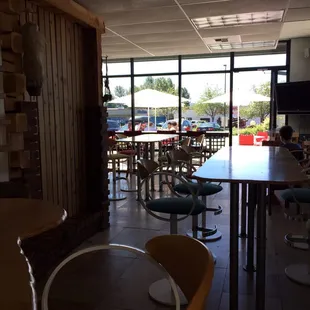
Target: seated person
286 134
151 127
174 126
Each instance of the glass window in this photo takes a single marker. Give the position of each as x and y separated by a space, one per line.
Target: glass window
156 102
119 109
116 68
155 66
200 89
250 61
282 78
205 64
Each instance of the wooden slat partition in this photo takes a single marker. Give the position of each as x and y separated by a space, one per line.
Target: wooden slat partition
61 110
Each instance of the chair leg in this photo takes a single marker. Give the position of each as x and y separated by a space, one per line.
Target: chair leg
173 224
270 194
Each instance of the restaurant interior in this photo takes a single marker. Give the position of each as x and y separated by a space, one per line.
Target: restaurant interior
155 154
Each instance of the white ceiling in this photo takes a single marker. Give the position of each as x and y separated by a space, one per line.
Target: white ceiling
144 28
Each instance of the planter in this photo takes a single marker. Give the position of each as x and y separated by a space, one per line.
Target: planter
246 139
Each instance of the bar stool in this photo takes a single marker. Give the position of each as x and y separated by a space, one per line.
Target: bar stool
115 157
180 162
299 273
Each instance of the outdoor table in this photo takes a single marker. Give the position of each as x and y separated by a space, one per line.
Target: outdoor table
21 219
149 139
258 167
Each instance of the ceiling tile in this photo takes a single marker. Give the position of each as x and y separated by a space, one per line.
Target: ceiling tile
163 37
178 51
299 4
153 28
270 36
126 54
294 15
118 47
172 44
112 40
295 30
106 6
144 16
193 2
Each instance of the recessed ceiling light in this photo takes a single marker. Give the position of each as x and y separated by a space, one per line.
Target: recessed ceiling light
242 45
238 19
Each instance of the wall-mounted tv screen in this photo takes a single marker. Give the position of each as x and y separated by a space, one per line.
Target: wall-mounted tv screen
293 97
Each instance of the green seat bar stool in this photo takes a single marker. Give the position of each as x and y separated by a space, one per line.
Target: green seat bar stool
180 161
168 203
299 273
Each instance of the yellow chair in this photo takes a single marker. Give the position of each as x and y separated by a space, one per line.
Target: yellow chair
189 262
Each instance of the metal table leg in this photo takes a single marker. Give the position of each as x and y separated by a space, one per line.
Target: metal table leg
233 246
251 225
114 194
160 154
243 233
261 249
152 156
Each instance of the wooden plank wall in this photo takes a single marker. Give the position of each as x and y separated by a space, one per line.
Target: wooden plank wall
61 110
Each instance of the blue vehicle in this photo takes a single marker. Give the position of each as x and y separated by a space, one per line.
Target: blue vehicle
113 125
210 126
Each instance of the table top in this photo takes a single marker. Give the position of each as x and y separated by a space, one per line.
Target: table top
148 138
252 164
21 219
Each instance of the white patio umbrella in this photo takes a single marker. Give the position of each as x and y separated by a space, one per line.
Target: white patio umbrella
150 98
241 98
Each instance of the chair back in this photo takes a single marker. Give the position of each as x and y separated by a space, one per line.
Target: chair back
190 264
178 155
271 143
186 142
200 139
120 136
146 167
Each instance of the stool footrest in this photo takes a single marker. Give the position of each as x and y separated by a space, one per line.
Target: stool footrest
216 211
301 242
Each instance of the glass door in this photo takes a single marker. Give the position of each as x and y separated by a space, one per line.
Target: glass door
251 105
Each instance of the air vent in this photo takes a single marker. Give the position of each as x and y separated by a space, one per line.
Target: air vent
217 40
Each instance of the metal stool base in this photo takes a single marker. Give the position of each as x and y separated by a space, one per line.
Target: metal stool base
299 273
117 197
300 242
161 292
202 237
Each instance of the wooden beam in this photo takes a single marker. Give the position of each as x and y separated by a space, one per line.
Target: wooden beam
80 13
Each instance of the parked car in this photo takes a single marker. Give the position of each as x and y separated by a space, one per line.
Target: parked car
186 124
112 125
210 126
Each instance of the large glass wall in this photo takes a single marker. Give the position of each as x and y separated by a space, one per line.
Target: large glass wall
203 83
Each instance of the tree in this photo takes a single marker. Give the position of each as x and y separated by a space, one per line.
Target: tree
204 107
120 91
185 93
259 109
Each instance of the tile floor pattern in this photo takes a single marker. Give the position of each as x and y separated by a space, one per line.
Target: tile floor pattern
119 281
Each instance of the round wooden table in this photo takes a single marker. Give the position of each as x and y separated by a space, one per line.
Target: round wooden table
21 219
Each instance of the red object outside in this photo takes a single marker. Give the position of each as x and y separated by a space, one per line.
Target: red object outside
246 139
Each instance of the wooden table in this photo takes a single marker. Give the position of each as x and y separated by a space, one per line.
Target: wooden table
149 139
21 219
259 166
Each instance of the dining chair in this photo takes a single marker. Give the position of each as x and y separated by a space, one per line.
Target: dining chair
181 164
173 289
189 262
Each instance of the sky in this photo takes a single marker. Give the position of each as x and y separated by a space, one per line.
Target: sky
196 83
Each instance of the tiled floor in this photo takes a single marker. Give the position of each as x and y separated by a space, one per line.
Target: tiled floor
119 281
